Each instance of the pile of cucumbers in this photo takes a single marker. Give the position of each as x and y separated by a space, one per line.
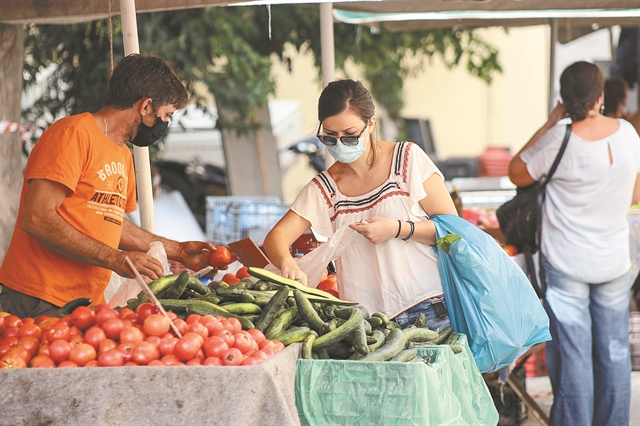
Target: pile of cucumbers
285 310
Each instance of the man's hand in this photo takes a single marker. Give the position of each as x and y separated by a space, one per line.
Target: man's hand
195 254
145 264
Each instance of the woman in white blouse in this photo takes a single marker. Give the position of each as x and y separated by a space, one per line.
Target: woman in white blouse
385 191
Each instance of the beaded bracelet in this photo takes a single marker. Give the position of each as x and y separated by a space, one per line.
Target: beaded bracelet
399 229
413 228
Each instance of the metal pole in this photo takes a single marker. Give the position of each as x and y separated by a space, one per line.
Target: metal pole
140 155
552 62
327 49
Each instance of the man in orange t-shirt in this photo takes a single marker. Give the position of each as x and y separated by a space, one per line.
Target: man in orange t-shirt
79 182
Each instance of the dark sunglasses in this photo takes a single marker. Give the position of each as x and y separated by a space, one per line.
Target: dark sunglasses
346 140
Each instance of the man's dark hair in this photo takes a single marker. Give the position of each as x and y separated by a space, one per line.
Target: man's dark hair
138 76
615 94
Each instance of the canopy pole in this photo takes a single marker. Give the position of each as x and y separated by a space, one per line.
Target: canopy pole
327 50
140 154
553 40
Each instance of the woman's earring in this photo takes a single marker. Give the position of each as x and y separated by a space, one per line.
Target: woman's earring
601 108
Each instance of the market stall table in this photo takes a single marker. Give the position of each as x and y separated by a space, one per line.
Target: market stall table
202 395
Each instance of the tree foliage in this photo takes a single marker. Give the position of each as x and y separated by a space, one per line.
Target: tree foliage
229 48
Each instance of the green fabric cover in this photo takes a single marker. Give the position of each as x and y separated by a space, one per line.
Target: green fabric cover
448 391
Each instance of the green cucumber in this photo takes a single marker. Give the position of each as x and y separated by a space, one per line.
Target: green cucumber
359 338
201 307
196 285
443 335
383 317
419 335
375 322
393 345
265 275
272 308
293 335
243 308
215 285
421 320
452 339
307 311
175 290
280 323
307 345
68 307
340 350
341 332
157 286
405 355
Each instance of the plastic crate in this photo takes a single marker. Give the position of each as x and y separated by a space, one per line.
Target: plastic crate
233 218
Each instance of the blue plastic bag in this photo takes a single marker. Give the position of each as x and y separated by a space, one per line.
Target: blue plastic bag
488 296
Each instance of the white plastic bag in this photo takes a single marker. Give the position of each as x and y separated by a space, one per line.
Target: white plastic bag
315 263
129 287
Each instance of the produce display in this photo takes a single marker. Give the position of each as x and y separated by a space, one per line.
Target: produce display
240 321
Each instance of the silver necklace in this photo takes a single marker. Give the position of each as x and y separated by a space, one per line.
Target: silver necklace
106 128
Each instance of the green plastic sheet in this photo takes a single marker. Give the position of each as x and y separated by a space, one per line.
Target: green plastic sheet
448 391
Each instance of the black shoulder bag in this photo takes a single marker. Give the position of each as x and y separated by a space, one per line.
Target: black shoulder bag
520 219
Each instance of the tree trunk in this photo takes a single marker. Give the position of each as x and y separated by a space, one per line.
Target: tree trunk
11 58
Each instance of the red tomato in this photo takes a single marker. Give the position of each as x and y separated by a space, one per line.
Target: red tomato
193 318
75 340
46 323
194 361
279 345
220 257
144 310
156 325
243 273
251 361
257 335
43 349
187 347
198 328
212 361
269 347
83 317
12 321
111 358
230 279
20 352
4 349
75 331
232 356
227 336
10 331
214 347
260 354
10 341
28 320
93 336
154 340
234 325
59 350
82 354
112 327
243 341
29 342
329 285
131 334
122 313
130 364
125 349
510 249
8 361
166 346
67 364
30 329
92 363
1 324
42 361
144 352
212 325
156 363
106 345
100 306
171 315
105 314
180 324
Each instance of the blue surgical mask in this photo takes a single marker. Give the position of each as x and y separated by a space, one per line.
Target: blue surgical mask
347 154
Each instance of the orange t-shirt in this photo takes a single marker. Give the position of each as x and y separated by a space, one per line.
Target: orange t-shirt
100 174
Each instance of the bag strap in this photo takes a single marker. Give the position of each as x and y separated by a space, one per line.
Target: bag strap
546 178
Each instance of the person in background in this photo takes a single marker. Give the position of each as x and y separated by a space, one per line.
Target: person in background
585 249
386 192
615 97
79 182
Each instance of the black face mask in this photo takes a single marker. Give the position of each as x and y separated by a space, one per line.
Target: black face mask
148 135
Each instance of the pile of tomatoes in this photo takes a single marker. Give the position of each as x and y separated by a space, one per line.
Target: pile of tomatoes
103 336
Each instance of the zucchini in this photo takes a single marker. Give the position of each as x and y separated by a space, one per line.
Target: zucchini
393 345
293 335
68 307
341 332
280 323
307 311
421 320
202 307
443 335
307 345
265 275
359 338
420 335
405 355
175 290
271 309
243 308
